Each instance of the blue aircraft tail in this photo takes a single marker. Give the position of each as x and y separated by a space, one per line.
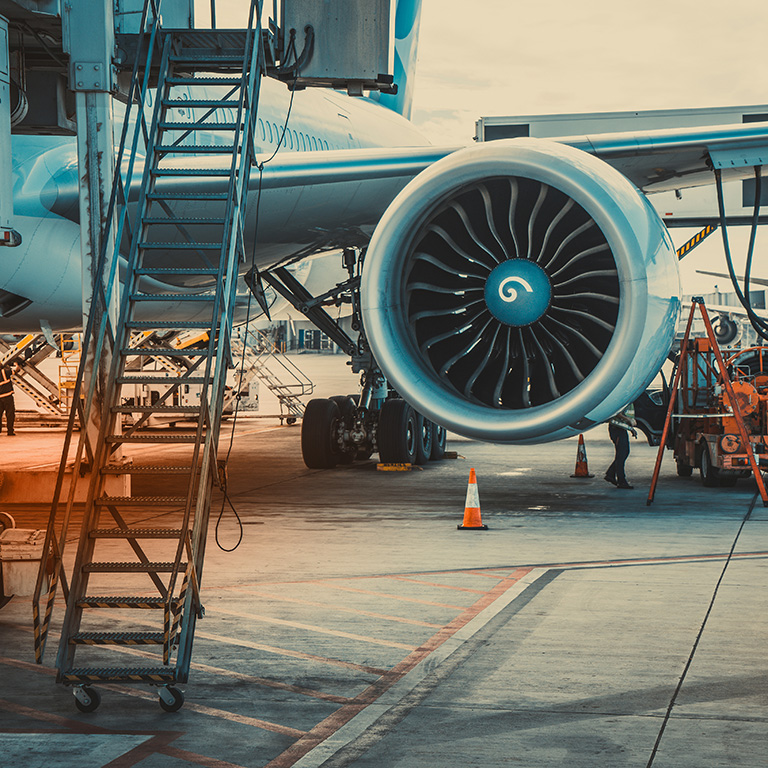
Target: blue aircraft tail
407 18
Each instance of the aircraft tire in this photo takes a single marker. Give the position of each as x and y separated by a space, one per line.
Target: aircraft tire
439 436
398 433
683 469
424 438
318 434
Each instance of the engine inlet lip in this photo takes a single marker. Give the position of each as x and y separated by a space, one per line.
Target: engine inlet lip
615 205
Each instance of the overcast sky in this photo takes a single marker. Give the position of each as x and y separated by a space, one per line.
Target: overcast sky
508 57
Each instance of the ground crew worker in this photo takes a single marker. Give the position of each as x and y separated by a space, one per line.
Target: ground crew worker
619 427
7 405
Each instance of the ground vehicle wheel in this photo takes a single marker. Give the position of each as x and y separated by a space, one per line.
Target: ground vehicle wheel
87 699
171 699
683 469
439 436
398 432
709 473
424 437
318 434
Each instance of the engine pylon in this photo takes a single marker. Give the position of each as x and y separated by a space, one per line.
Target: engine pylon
472 519
582 470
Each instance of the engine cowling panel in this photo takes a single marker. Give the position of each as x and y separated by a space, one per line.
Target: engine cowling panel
520 291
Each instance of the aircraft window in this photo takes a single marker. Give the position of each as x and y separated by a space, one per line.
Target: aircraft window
289 139
325 144
301 140
314 143
277 132
296 141
269 133
148 101
261 129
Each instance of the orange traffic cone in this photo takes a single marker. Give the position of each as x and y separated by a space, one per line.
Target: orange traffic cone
472 519
581 460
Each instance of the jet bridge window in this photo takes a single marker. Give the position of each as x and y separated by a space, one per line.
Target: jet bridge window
748 186
493 132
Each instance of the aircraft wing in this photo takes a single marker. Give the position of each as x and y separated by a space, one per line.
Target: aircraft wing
752 280
663 160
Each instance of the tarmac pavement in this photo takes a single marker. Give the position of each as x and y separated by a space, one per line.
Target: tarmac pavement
354 625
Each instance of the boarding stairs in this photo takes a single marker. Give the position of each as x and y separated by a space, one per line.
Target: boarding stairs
187 227
256 358
30 351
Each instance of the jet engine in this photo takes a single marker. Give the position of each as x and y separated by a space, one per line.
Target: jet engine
520 291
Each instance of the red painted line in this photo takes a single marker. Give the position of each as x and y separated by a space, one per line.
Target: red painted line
192 757
342 716
74 726
142 751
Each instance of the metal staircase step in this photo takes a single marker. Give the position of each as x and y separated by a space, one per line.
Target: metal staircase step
119 675
136 533
177 270
185 220
145 438
164 351
177 324
170 409
172 297
197 149
148 603
169 195
140 501
183 103
205 80
170 380
174 125
117 638
150 245
182 172
143 469
130 567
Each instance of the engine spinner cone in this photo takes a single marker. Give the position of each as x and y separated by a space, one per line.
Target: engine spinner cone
518 292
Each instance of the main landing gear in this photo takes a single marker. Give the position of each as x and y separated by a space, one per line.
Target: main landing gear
339 431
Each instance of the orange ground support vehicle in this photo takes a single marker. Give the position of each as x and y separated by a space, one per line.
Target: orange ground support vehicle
705 433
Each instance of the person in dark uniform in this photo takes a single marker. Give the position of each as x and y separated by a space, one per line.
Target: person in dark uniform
7 405
619 427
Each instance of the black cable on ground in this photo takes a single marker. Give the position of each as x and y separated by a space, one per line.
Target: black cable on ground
226 500
668 713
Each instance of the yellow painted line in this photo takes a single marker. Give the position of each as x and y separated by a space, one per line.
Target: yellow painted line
341 608
441 586
285 652
222 714
391 597
314 628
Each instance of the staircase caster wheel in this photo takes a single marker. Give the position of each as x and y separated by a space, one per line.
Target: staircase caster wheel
290 421
87 699
171 699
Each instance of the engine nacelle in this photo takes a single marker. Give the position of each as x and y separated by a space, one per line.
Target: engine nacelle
520 291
